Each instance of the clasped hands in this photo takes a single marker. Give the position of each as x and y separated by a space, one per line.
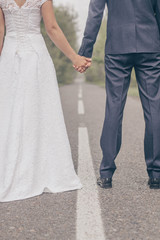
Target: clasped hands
81 63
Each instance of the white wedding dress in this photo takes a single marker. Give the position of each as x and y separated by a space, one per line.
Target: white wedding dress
35 155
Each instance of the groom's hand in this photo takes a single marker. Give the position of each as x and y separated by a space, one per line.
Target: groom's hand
84 67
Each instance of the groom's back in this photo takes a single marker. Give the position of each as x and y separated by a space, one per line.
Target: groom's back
132 26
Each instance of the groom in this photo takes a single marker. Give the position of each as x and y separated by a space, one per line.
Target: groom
133 41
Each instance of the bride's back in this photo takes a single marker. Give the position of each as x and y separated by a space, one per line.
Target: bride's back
22 25
24 19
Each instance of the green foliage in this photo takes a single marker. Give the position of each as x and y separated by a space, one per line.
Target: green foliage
133 90
133 79
66 19
96 73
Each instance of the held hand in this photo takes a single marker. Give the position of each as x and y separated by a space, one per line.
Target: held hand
84 68
81 63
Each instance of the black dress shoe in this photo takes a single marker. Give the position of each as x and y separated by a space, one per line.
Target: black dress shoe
104 182
154 183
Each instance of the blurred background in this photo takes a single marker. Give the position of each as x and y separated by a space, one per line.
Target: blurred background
71 16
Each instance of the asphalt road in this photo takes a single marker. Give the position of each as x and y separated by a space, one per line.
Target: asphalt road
128 211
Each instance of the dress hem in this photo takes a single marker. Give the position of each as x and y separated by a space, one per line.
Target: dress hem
40 193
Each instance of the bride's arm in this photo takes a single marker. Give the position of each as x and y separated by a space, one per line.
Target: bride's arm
57 36
2 28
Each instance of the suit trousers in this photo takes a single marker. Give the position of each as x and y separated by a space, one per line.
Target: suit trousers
118 74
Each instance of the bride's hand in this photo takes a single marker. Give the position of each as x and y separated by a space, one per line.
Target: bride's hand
81 63
82 69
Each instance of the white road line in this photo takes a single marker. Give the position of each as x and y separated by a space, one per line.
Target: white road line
81 107
80 92
89 221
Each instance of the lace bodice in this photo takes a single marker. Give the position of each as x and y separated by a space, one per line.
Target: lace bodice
22 21
8 4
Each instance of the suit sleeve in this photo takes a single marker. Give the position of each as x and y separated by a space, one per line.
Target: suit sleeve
158 12
95 15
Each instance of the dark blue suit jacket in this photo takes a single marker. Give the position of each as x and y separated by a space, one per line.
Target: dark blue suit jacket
133 26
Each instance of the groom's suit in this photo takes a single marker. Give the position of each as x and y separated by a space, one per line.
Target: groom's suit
133 40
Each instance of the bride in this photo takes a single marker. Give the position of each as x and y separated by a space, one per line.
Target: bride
35 154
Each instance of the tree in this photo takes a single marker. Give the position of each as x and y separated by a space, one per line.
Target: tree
66 19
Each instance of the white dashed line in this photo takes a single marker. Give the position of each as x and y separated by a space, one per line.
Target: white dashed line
80 92
80 107
89 221
81 110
